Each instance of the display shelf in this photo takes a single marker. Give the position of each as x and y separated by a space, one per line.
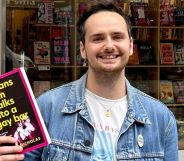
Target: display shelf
150 73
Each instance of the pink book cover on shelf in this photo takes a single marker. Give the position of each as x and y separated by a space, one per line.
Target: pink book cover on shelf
167 53
19 112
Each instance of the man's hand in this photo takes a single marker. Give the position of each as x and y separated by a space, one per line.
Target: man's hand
8 152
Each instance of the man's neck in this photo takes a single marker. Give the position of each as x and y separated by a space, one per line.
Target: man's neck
107 86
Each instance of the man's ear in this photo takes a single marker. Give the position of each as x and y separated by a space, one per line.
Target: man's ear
82 50
131 46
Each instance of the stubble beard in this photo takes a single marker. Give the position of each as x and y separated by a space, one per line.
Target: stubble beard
107 75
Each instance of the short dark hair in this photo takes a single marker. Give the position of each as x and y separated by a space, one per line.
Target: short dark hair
101 5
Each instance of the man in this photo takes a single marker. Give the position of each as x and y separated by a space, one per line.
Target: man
101 117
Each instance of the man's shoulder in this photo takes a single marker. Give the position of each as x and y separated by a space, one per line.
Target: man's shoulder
153 106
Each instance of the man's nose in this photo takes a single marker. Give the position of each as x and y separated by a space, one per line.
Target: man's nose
109 46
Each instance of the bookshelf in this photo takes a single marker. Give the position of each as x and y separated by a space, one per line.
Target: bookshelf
146 75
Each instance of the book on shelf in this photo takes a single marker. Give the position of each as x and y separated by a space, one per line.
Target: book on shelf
82 7
180 128
179 16
179 53
168 2
140 14
167 53
146 53
45 12
40 87
21 117
168 34
42 52
63 15
167 15
60 51
166 91
134 58
178 90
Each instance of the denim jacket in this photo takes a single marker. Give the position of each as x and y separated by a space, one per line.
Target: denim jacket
148 133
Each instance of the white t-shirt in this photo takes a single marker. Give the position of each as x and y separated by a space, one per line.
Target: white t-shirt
107 117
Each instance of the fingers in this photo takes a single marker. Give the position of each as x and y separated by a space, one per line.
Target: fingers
12 157
7 139
8 150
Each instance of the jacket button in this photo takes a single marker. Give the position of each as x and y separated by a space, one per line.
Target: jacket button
86 142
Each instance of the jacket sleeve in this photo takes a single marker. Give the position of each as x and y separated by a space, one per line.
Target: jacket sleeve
171 141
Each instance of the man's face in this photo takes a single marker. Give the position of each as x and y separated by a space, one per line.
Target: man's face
107 43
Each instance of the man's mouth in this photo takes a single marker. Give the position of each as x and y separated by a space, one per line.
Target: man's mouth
108 56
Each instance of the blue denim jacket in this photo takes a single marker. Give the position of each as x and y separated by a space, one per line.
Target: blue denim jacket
69 124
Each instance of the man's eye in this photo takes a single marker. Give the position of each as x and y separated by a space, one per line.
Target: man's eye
97 39
118 37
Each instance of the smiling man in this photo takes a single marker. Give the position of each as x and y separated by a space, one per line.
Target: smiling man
101 117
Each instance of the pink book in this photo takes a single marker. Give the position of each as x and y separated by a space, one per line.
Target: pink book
19 113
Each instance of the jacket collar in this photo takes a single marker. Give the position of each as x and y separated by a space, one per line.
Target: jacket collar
76 101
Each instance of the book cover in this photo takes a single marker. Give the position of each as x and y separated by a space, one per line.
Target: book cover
60 51
167 33
178 113
166 91
45 12
167 53
63 15
178 90
179 53
134 58
167 15
40 87
140 14
180 127
41 52
20 116
146 53
82 7
179 16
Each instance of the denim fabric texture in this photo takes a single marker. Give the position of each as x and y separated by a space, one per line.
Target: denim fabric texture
68 122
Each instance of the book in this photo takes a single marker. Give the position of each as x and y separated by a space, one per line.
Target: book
40 87
20 115
82 7
45 12
180 128
146 53
167 15
178 90
63 15
60 51
140 14
179 16
166 91
41 52
167 53
167 34
179 53
134 58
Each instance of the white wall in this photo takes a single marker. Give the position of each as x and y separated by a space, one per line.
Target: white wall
181 155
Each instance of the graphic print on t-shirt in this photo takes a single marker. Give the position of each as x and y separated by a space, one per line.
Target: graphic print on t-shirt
106 128
100 153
